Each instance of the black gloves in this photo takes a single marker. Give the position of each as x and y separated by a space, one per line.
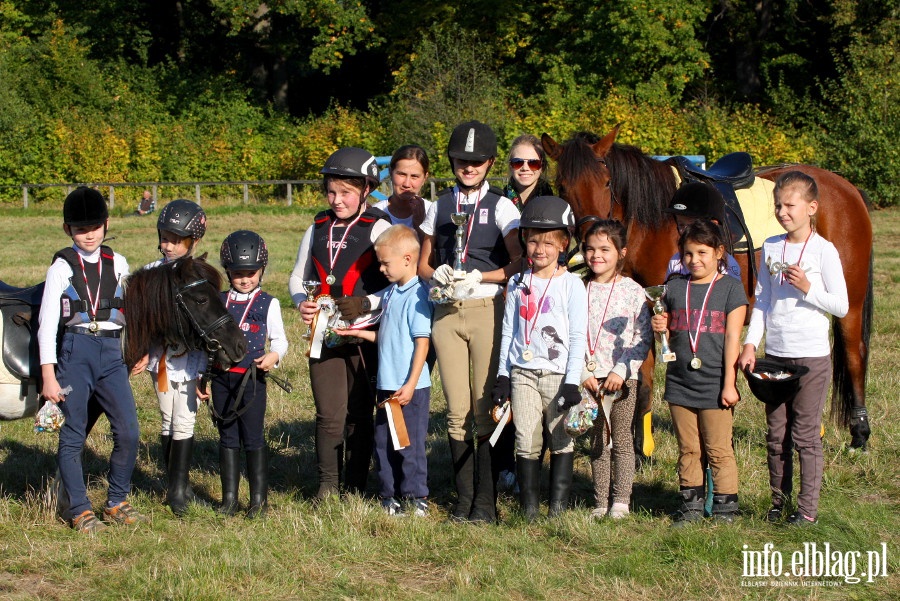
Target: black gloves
502 390
569 396
352 307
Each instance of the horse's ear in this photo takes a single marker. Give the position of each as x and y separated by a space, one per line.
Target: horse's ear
602 147
550 146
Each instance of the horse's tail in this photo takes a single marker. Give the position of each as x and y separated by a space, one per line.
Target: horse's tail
843 384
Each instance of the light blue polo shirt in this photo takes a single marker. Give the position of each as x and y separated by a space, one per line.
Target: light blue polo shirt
405 317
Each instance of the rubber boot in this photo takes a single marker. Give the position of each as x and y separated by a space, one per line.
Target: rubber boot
725 507
329 456
258 476
462 452
230 473
693 500
484 506
561 469
529 475
165 447
179 470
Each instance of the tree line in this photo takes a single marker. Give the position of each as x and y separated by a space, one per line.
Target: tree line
235 89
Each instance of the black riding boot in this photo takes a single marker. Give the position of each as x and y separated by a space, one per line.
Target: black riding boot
165 447
258 476
693 500
529 474
358 458
561 467
179 471
462 453
230 473
329 456
484 507
725 507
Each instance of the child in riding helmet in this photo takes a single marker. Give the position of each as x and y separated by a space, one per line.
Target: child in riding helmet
542 352
466 332
338 252
82 304
175 372
239 405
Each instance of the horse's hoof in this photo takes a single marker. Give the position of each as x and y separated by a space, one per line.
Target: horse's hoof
859 428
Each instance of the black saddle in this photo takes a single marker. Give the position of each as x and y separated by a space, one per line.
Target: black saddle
735 169
20 308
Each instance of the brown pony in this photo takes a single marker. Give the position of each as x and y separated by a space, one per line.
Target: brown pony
178 304
602 178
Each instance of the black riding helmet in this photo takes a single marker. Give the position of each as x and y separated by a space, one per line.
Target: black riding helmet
547 213
84 206
244 250
353 162
472 141
697 199
183 218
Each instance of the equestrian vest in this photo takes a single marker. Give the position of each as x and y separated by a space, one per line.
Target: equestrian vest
75 303
486 248
253 323
355 268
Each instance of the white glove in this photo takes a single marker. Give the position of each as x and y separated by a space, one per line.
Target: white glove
443 275
465 288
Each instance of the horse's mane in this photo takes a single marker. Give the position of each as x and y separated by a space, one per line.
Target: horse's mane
150 303
643 185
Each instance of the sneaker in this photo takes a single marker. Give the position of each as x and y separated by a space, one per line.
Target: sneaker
123 513
800 520
392 507
419 507
598 513
88 523
776 512
618 511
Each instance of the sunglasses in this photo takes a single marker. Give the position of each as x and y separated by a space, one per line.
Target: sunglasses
533 164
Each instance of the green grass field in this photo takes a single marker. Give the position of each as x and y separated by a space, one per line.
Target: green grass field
347 550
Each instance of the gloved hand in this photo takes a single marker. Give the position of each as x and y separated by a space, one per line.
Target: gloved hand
569 396
443 275
502 390
352 307
465 287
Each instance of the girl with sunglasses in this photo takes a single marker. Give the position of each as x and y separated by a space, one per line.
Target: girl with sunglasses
526 171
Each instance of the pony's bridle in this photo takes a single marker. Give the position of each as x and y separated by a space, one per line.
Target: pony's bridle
212 344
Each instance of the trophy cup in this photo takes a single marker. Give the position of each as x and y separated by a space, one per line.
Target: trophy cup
311 287
459 220
655 294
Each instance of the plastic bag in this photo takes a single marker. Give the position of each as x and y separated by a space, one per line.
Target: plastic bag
581 417
50 418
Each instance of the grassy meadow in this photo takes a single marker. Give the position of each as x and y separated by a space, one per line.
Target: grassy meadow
349 549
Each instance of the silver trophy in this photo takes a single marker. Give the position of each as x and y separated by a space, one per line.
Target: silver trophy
655 294
459 220
311 287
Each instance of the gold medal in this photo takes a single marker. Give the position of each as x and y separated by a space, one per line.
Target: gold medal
696 363
330 279
93 326
591 365
527 355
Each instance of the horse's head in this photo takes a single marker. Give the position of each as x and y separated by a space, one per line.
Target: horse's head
202 320
178 304
582 176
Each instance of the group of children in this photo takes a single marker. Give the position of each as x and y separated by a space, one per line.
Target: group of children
509 323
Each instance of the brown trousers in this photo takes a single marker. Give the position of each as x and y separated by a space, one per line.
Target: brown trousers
705 433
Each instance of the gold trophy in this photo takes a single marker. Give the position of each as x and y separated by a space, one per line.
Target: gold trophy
459 220
655 294
311 287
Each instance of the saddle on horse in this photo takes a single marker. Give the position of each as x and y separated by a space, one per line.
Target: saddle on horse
20 308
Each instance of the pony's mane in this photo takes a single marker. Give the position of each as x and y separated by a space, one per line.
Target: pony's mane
150 303
643 185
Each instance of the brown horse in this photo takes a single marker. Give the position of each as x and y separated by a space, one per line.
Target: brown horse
600 177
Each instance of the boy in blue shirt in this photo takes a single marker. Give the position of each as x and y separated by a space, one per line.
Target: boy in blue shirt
403 340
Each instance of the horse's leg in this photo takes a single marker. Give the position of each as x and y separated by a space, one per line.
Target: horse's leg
642 424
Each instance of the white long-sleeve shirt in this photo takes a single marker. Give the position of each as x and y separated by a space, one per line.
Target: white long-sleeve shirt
796 324
58 276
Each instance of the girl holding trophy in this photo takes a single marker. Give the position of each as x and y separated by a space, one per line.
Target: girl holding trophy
466 331
337 251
